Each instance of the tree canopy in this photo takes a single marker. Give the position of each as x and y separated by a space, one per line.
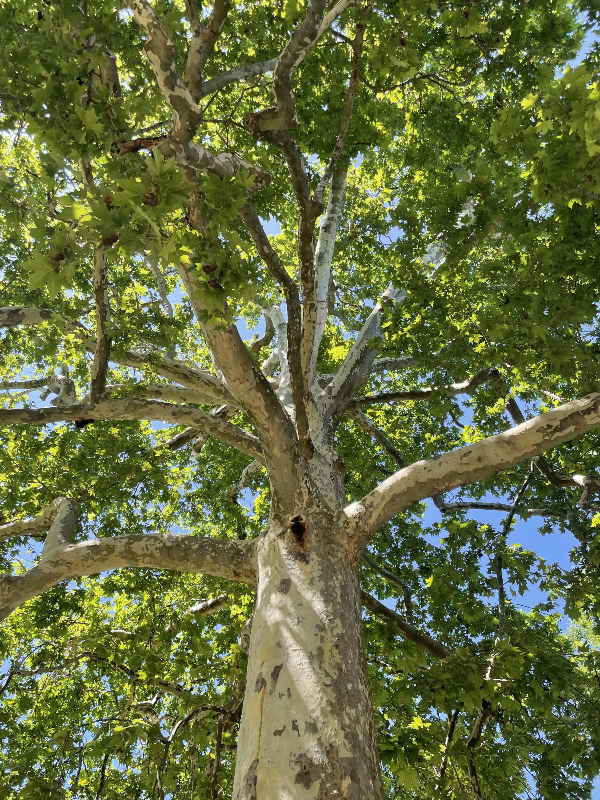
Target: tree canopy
454 155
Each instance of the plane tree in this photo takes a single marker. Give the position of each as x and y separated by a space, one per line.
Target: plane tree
285 564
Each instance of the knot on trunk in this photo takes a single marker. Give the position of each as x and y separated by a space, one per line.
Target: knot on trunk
299 531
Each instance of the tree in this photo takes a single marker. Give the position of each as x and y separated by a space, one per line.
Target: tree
429 292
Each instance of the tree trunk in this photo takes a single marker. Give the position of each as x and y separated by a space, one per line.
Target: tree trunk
307 727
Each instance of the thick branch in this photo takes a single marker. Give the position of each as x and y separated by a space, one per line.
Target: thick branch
251 389
186 116
130 409
472 463
283 115
232 560
418 637
202 44
100 365
590 485
29 527
315 323
162 56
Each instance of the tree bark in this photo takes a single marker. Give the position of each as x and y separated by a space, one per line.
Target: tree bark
307 727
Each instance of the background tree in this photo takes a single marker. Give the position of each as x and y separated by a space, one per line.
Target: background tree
429 291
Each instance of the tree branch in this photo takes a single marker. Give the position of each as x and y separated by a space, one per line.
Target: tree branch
186 116
101 356
30 527
267 337
464 387
475 462
415 635
202 44
131 409
241 73
232 560
251 389
408 606
477 506
357 45
590 485
315 323
160 52
294 309
168 368
356 367
283 115
369 427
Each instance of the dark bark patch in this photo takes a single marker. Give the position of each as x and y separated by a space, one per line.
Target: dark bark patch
303 775
298 529
275 676
295 727
278 733
260 683
247 790
284 585
310 727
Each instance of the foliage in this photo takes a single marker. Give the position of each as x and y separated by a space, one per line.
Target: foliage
473 166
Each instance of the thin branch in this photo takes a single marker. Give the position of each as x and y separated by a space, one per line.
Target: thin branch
161 286
357 46
294 311
241 73
426 393
244 480
408 606
160 391
101 356
415 635
192 377
102 776
131 409
214 788
447 743
356 367
446 508
267 337
369 427
28 386
393 364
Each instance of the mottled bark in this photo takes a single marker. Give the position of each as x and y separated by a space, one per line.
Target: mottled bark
307 728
